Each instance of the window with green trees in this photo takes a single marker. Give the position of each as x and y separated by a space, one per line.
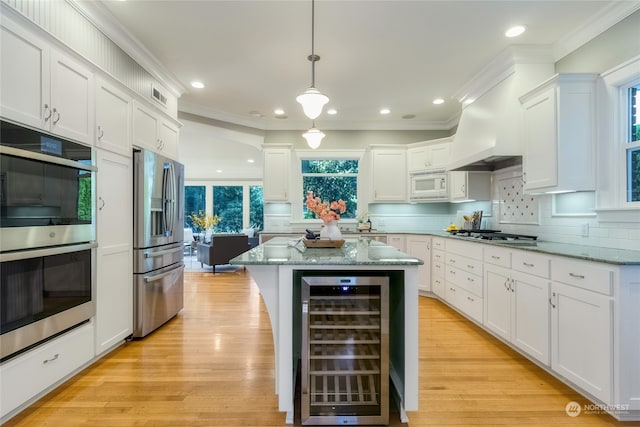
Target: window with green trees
194 202
633 146
331 180
227 204
256 207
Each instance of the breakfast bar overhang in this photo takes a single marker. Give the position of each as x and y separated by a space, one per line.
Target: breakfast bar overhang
275 267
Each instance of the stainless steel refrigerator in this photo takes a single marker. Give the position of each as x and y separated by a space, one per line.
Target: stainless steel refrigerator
158 267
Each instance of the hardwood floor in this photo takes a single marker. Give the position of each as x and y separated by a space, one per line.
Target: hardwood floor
212 365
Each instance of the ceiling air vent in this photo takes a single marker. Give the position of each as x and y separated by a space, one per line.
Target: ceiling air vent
158 96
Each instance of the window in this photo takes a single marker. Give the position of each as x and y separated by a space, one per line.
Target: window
194 202
227 204
256 207
331 180
632 146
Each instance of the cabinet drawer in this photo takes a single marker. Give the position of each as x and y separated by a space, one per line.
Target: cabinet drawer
437 286
468 249
467 264
468 303
44 366
591 276
438 256
528 262
497 256
438 269
470 282
438 243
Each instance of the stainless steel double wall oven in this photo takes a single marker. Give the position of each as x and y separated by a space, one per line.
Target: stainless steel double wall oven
47 236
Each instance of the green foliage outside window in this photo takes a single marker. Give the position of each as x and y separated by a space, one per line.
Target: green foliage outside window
84 197
331 180
194 202
256 207
634 175
227 204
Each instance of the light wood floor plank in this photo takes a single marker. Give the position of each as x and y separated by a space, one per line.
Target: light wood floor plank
213 365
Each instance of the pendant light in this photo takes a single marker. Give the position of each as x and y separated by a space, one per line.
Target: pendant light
313 136
312 100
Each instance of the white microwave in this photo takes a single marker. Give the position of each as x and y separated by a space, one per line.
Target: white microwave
429 186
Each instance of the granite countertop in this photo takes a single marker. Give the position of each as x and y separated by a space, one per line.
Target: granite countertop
355 251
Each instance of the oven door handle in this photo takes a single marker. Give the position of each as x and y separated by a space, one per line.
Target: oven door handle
36 253
12 151
154 277
164 252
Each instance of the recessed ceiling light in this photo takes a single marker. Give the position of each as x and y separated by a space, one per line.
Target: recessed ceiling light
515 31
385 111
278 111
197 84
219 170
332 111
251 161
468 101
438 101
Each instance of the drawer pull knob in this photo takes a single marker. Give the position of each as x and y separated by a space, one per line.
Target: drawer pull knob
526 264
470 279
470 299
576 276
495 257
44 362
470 266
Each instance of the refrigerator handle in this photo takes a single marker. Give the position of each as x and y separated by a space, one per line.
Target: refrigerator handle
154 277
161 253
172 198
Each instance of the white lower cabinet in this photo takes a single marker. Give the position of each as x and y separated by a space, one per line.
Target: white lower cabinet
437 267
582 337
419 246
463 278
35 372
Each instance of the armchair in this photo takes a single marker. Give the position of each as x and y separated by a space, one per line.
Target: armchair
222 248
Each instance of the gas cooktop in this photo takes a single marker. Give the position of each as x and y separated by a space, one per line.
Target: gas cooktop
494 235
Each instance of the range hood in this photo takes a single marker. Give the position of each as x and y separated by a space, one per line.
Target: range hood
489 134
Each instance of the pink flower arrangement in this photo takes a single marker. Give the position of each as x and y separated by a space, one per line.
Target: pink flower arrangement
326 211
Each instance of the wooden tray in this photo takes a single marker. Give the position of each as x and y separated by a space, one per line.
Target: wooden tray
323 243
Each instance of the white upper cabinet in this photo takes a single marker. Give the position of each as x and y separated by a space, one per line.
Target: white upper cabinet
113 118
559 134
153 132
388 175
43 87
469 186
276 176
428 157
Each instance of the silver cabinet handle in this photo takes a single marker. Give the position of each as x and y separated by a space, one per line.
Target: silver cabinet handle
576 276
452 272
56 117
47 112
55 356
470 299
526 264
495 257
553 295
470 266
100 133
469 279
101 203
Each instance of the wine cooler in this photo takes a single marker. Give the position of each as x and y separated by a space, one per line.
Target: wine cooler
345 350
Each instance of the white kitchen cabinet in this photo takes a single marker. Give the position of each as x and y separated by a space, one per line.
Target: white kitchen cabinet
559 134
388 175
464 277
44 87
153 131
276 182
581 338
114 295
438 266
468 186
419 246
113 117
428 157
25 377
398 241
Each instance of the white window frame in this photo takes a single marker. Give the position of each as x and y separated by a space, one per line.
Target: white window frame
296 207
612 204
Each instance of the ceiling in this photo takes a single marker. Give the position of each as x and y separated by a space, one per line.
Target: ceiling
252 55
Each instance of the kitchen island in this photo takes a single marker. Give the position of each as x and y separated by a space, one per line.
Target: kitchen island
276 267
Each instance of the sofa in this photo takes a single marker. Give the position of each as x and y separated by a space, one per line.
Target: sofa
222 248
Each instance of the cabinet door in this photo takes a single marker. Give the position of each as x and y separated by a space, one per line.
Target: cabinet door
114 293
530 315
24 76
417 159
581 338
389 178
438 157
397 241
276 175
420 247
168 135
145 128
457 183
113 118
540 162
72 98
497 300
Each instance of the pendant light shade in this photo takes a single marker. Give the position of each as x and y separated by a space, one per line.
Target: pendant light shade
314 137
312 101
